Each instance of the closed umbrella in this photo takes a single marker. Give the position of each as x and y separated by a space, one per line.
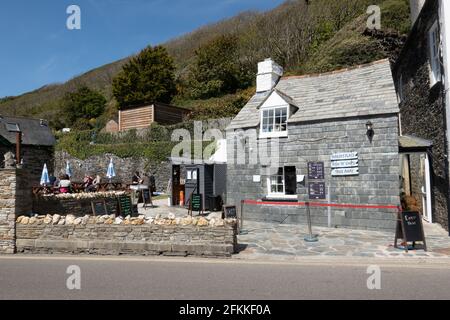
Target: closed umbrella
44 176
111 173
68 169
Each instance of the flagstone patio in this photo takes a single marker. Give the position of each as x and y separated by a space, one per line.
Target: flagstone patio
262 240
265 240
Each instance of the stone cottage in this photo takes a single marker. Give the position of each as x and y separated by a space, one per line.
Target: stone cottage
422 81
32 143
330 137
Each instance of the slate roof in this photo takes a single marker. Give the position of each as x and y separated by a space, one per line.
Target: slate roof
33 133
360 91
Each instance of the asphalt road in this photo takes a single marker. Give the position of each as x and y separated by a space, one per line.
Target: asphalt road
37 277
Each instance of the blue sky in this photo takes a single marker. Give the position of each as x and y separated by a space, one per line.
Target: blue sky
36 48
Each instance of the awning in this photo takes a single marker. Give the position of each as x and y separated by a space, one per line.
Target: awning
408 143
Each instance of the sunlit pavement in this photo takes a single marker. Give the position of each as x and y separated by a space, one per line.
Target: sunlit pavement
274 241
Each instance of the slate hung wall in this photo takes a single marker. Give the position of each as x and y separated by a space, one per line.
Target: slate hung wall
316 141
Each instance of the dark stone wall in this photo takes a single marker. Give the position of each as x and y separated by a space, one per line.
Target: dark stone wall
124 167
43 205
423 107
34 158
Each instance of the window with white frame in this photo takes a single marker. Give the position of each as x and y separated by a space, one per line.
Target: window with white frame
282 182
434 43
274 120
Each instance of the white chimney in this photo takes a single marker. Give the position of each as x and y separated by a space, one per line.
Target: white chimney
268 75
415 7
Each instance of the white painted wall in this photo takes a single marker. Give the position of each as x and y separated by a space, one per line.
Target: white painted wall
274 101
220 156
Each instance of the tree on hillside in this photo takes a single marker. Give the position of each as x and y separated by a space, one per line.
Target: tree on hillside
82 105
145 78
217 69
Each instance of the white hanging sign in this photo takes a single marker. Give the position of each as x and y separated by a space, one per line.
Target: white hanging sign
344 163
345 172
344 156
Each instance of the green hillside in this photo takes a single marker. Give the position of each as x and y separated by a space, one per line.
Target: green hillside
304 36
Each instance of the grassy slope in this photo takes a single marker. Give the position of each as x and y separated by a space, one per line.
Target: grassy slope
348 47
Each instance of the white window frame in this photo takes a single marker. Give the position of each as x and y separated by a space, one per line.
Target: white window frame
434 53
274 134
278 195
400 95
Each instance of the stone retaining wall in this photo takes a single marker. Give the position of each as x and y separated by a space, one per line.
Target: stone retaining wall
7 210
15 199
124 239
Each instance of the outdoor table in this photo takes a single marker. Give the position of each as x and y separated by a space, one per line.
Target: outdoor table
77 187
103 186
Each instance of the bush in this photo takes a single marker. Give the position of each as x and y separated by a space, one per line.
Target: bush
150 76
83 104
217 69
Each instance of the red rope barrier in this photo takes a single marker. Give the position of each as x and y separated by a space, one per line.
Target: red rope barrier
319 204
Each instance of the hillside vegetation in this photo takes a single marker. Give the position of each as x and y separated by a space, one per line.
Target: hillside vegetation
303 36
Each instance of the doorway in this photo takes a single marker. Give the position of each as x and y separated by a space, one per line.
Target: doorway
415 176
415 184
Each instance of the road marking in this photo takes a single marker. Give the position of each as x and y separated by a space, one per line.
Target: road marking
414 263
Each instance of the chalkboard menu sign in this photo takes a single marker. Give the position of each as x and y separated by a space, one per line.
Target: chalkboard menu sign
410 229
316 170
196 202
316 190
126 208
99 207
229 212
147 197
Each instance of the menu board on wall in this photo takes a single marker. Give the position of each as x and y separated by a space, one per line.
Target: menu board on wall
316 170
316 190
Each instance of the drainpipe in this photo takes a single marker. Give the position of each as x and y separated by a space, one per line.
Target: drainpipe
444 17
18 146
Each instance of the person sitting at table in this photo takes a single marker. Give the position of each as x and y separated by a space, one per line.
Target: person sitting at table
96 183
64 184
52 181
87 182
136 179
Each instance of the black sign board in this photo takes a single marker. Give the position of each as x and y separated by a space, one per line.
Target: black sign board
316 170
410 229
126 208
229 212
99 207
316 190
197 202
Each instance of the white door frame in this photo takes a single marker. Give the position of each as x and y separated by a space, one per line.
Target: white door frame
429 212
426 206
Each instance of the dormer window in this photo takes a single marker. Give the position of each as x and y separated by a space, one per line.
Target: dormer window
274 113
274 120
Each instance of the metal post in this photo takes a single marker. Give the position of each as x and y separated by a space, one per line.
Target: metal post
329 207
241 222
310 237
